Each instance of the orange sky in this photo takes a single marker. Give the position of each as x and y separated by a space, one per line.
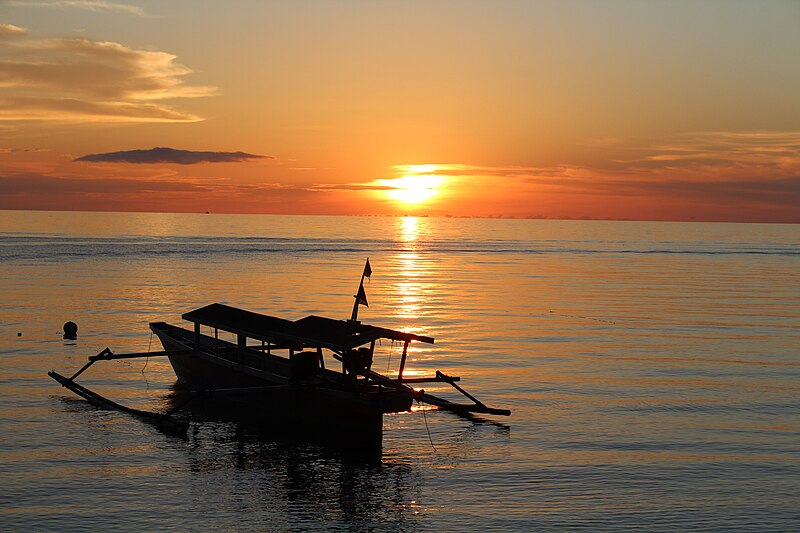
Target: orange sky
613 110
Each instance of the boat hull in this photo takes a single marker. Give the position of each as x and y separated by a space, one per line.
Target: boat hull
257 388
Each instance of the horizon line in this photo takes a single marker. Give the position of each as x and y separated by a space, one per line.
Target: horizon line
423 215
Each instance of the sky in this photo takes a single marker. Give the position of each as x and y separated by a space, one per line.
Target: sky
638 110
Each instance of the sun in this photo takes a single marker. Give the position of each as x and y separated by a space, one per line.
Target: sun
414 189
417 184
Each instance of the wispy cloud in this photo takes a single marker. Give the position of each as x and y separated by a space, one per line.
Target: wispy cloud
88 5
170 155
22 150
82 66
755 148
62 188
704 175
33 184
713 175
73 109
349 187
688 156
79 79
9 31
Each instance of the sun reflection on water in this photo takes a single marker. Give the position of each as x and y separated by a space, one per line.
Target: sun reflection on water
408 287
409 229
409 283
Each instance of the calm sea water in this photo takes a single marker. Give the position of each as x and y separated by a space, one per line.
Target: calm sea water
653 370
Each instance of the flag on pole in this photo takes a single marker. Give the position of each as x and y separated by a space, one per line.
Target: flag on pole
361 297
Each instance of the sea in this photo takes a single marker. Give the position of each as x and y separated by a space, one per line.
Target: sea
652 370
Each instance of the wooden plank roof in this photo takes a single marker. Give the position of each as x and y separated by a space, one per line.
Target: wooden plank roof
311 331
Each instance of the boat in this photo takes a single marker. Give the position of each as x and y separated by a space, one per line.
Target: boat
313 373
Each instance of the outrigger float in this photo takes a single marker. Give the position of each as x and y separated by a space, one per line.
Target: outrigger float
276 371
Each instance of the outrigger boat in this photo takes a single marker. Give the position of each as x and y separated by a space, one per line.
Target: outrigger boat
277 370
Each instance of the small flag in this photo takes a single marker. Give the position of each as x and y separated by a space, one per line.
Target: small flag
367 269
361 297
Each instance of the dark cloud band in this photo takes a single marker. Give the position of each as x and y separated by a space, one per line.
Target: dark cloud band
170 155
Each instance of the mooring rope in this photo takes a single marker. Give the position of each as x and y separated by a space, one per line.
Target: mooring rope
391 347
147 360
425 418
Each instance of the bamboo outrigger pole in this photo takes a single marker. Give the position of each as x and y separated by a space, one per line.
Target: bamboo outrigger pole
163 420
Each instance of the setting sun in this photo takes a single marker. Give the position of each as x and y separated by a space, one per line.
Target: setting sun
417 184
413 189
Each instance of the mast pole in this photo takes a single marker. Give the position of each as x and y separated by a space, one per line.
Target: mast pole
354 316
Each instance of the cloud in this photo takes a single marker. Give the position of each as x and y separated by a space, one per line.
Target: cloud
35 184
9 31
89 5
22 150
170 155
463 170
775 149
725 156
52 189
107 70
350 187
79 79
731 190
750 175
73 109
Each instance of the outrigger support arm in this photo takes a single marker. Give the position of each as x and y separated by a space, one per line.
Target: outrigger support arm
84 367
92 358
441 376
422 396
108 355
433 379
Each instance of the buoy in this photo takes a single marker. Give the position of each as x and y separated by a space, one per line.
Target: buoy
70 330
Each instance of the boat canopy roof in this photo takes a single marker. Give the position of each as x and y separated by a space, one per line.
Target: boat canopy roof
311 331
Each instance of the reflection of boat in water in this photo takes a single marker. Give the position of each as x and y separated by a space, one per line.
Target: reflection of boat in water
279 370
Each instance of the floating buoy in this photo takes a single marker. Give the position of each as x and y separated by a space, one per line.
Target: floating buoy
70 330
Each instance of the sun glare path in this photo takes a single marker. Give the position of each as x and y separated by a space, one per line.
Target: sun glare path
409 229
